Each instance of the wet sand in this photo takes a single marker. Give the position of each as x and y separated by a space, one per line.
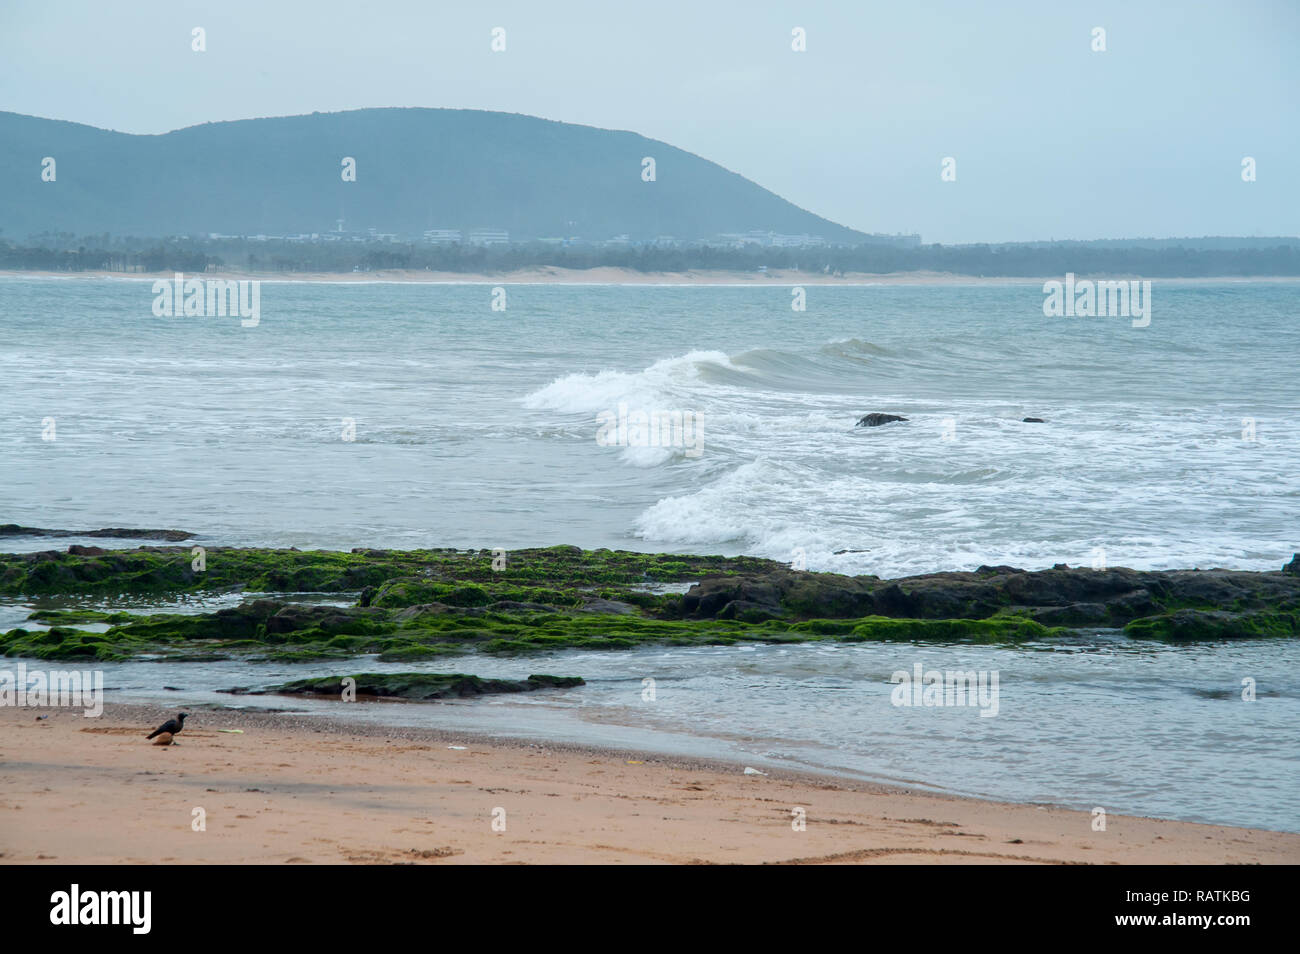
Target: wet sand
296 790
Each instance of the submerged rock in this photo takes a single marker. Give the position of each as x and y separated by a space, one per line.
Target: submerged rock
875 419
417 685
1033 420
120 533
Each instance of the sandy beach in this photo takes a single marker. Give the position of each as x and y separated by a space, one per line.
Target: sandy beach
297 791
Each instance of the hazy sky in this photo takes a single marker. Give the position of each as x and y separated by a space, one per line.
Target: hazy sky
1051 139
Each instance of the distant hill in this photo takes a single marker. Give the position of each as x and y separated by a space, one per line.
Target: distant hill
417 169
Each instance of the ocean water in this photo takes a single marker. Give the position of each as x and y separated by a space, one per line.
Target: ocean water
1173 445
476 427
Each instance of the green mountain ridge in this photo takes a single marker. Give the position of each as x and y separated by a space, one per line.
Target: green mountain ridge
416 169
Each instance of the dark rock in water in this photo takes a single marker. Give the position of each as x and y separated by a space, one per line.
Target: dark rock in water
1294 566
1133 604
1187 624
1262 603
417 685
776 593
1073 615
875 419
598 605
292 617
747 612
1033 420
121 533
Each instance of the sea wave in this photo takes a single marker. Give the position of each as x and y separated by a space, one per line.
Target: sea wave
657 387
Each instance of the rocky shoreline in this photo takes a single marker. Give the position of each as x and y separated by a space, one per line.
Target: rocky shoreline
423 604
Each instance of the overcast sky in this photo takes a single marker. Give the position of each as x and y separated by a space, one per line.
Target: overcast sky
1051 139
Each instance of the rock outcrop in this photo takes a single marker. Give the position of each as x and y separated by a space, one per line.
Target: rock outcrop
118 533
1173 604
875 419
419 686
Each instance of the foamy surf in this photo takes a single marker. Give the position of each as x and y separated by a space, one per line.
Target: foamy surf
665 381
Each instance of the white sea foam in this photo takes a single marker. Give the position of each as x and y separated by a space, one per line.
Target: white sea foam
662 383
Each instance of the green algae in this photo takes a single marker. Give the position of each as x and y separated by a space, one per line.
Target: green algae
427 637
992 630
72 616
159 570
62 642
424 604
1193 625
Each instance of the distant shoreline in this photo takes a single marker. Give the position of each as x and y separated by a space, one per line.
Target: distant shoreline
612 275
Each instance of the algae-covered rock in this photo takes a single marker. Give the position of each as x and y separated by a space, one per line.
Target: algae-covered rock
420 686
1189 624
421 604
1059 595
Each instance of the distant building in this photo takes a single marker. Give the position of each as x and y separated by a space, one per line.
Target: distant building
797 241
766 240
756 238
489 237
442 236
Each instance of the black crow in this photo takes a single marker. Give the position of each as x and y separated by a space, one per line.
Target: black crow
171 726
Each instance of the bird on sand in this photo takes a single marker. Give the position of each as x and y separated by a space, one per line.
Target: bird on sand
169 729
